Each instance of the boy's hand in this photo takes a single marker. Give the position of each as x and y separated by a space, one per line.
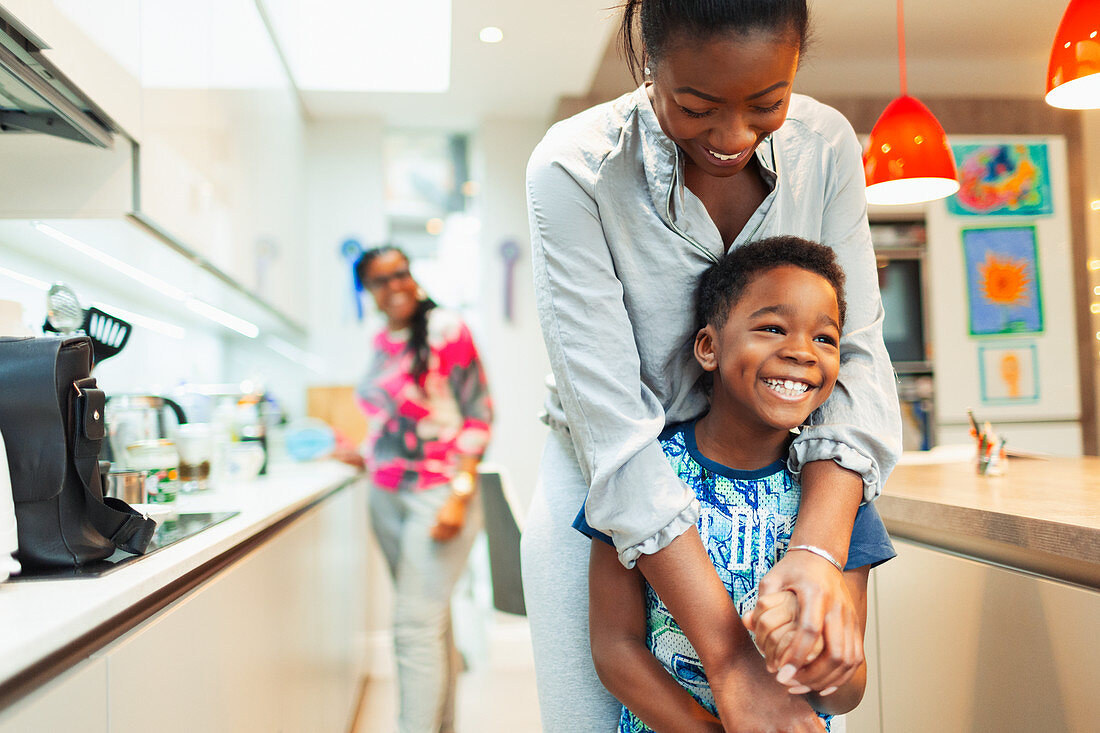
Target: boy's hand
773 623
826 618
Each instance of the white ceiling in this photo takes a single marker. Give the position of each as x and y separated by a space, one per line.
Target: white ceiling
552 48
954 47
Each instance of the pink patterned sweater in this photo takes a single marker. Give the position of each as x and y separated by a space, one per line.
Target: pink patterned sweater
419 431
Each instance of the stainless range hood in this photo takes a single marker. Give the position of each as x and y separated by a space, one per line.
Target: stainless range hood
36 97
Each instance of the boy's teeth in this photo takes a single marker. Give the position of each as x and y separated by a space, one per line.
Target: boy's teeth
787 385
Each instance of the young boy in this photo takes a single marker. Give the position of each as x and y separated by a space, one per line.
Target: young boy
770 315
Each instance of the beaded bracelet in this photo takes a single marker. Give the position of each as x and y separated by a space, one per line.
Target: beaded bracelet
819 552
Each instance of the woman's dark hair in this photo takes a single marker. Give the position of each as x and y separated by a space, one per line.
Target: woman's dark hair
418 329
659 21
722 285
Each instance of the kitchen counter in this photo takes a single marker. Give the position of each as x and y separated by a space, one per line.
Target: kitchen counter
50 624
1043 516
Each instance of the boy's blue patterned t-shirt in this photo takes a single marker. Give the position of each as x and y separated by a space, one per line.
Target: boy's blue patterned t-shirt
745 522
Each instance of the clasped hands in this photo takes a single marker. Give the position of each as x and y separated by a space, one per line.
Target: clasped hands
806 626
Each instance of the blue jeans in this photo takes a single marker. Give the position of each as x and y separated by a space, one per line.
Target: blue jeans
424 574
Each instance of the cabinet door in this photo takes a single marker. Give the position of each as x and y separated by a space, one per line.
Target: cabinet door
264 646
867 718
966 646
75 701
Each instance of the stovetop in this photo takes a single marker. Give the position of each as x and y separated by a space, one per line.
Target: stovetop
169 530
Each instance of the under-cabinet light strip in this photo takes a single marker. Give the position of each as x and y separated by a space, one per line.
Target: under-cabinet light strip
25 279
136 319
296 355
114 263
217 315
240 325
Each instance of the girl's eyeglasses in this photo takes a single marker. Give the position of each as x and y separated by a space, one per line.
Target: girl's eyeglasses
377 283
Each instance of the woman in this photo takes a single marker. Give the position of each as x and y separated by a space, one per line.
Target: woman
629 202
428 414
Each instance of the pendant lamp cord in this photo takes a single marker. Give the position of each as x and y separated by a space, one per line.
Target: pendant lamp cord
901 47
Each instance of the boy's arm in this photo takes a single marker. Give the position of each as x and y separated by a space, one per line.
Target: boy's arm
624 664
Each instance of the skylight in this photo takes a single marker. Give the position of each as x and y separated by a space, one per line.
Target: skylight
365 45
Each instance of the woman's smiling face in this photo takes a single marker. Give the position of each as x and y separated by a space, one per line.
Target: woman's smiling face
719 98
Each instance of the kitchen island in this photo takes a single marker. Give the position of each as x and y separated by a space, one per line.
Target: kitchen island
986 619
252 624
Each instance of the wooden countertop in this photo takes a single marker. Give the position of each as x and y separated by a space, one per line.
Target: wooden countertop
1042 516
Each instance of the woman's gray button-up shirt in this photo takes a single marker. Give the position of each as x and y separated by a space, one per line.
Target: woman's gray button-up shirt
619 242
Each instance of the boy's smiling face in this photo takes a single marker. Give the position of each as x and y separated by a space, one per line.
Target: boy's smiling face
776 358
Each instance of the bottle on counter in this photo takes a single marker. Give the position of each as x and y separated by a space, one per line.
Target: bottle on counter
160 463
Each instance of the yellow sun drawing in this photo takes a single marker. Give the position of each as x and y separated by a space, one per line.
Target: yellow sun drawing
1004 281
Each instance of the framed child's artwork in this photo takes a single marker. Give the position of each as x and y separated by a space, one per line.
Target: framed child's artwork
1002 280
1002 180
1009 372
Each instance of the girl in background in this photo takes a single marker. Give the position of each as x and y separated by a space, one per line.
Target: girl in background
428 413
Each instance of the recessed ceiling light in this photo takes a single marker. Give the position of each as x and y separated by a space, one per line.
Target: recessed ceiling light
491 34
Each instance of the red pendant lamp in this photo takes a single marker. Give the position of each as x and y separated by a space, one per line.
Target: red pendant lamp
1073 75
908 160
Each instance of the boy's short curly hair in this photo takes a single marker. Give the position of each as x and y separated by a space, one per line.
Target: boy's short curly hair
721 286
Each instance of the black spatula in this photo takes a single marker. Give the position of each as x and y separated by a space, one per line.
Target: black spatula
108 334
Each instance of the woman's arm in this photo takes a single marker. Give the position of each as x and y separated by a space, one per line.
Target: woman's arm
612 416
830 499
616 598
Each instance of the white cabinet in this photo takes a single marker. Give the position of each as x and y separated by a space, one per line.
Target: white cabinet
75 701
964 646
221 160
96 45
266 645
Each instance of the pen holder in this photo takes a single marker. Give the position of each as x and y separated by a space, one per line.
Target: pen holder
991 462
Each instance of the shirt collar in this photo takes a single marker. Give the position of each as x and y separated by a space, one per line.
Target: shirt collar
663 161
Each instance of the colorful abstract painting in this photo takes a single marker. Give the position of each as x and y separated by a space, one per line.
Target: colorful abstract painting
1002 180
1002 280
1009 372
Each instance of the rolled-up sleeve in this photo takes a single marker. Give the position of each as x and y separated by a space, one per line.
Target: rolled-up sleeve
613 418
859 426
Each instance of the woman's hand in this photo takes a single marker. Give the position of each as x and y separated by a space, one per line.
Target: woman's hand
350 456
826 619
450 519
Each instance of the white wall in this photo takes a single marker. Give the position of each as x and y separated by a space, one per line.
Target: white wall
343 199
344 195
514 352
